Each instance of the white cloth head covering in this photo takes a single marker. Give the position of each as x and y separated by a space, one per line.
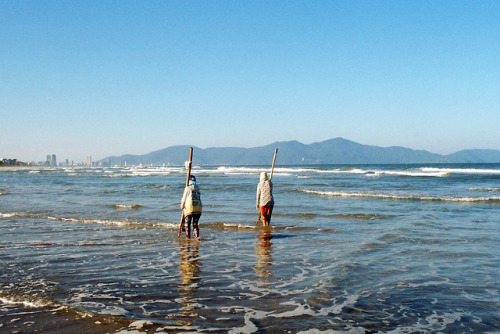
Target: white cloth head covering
263 176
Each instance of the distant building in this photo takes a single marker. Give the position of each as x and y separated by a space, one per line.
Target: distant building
9 162
89 161
105 163
12 162
51 160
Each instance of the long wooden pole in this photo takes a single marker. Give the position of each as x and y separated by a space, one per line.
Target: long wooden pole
274 160
271 177
187 184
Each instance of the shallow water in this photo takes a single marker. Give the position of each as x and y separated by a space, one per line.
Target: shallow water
362 249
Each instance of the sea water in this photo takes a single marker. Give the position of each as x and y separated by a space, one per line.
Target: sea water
358 249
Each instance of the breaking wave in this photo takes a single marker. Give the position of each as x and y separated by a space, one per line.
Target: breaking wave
27 302
492 199
122 223
462 170
491 190
127 206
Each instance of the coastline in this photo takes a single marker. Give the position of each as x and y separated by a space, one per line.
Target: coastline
23 167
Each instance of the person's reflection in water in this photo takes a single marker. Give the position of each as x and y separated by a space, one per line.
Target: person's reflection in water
264 257
189 268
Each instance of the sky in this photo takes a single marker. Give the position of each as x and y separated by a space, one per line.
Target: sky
105 78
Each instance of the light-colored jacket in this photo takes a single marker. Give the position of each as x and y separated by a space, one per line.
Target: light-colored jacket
191 200
265 193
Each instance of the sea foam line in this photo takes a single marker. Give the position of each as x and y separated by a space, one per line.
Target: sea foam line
7 215
403 197
408 173
116 222
492 190
462 170
127 206
287 171
26 303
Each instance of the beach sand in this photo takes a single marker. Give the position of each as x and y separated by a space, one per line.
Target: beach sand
9 168
17 318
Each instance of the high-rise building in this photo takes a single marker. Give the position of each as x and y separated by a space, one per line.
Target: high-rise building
89 161
51 160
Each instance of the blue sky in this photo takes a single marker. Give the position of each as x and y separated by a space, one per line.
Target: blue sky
105 78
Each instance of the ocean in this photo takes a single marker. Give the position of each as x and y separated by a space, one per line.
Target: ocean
351 249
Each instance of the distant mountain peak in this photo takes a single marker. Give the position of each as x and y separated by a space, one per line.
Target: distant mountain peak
332 151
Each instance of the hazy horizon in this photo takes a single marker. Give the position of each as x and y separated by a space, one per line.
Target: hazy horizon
62 159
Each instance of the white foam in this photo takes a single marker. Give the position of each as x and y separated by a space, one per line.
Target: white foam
240 226
127 206
462 170
433 323
299 310
116 222
286 171
140 171
26 303
444 320
228 170
115 310
485 189
139 324
412 173
331 331
249 326
402 197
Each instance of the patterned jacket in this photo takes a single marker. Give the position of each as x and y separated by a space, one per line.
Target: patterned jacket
265 193
191 200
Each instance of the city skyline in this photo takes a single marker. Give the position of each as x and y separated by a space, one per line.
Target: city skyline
51 160
125 77
342 151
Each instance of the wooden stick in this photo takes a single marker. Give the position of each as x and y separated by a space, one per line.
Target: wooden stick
274 160
270 178
187 184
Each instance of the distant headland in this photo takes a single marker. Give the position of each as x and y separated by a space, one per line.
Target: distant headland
333 151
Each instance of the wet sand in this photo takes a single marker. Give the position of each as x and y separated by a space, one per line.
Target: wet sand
16 318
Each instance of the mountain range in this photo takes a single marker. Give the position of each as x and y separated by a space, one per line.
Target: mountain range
333 151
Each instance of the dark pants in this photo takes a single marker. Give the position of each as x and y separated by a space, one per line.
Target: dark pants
187 225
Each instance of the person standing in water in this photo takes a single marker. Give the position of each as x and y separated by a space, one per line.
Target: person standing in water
265 199
191 207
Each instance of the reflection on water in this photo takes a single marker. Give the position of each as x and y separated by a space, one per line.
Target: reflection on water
264 255
189 268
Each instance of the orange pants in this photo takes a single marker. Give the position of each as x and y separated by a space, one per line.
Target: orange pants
265 214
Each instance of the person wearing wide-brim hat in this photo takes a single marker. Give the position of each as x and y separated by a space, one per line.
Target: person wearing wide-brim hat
191 207
265 199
